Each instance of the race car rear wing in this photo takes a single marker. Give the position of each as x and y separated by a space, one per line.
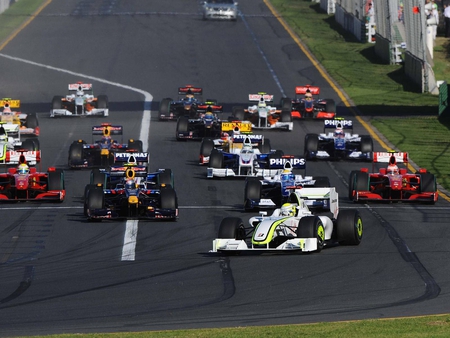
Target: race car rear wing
259 96
113 130
80 86
190 90
131 158
9 103
301 90
241 126
318 198
385 157
332 124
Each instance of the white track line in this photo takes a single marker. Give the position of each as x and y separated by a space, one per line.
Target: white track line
131 229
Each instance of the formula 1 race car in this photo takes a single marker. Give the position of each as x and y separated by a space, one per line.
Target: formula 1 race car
232 135
101 151
291 227
80 102
253 158
28 123
206 124
129 191
188 104
305 106
26 184
12 149
339 143
272 192
391 183
264 115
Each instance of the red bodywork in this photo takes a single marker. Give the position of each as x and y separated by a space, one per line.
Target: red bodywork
383 186
28 187
309 107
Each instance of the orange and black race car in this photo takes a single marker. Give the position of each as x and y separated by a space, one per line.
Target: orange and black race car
306 105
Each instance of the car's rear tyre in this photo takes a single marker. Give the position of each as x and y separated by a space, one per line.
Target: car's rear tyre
29 145
85 197
367 146
56 180
206 147
349 227
102 101
166 177
216 159
428 183
312 227
98 177
311 145
135 145
286 104
330 106
351 183
57 102
31 121
239 113
95 198
265 147
286 116
168 199
182 126
164 107
252 191
232 227
75 153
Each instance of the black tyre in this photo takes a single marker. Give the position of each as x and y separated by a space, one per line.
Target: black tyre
252 191
166 177
85 197
164 107
95 198
349 227
206 147
239 113
182 126
265 147
330 106
362 181
98 177
367 146
55 180
286 104
231 227
57 102
427 182
311 144
135 145
322 182
29 145
102 101
75 152
286 116
312 227
31 121
351 183
168 199
216 159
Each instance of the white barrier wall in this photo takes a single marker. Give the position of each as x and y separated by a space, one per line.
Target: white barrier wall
4 4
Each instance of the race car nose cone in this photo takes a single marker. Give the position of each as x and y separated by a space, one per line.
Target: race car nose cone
133 200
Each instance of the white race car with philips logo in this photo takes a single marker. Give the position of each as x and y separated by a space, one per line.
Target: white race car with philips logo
340 143
80 102
244 161
291 227
264 115
271 192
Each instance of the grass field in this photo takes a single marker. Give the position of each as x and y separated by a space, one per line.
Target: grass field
390 101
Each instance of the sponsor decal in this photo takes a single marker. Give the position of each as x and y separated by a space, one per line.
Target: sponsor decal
282 161
333 123
126 155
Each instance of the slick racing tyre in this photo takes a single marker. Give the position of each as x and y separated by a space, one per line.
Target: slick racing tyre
351 184
330 106
206 147
239 113
286 116
98 177
31 144
367 146
286 104
360 183
349 227
252 191
216 159
85 197
166 177
168 199
311 145
232 227
312 227
75 153
182 127
164 108
428 183
57 102
95 198
135 145
265 147
31 121
102 101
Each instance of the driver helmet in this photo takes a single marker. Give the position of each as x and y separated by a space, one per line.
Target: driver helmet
225 136
262 103
308 95
339 131
392 169
287 209
7 109
23 169
130 185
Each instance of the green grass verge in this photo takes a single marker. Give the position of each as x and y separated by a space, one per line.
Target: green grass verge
406 117
349 60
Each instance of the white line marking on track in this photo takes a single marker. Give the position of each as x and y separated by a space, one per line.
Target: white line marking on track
129 241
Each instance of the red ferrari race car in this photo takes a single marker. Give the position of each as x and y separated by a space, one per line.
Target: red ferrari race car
391 183
26 184
305 105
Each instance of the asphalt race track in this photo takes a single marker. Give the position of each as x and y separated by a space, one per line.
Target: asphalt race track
62 274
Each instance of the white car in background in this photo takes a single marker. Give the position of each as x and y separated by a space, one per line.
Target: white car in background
220 9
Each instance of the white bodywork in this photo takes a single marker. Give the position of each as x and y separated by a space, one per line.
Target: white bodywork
268 228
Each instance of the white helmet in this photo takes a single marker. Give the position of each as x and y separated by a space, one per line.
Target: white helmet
287 209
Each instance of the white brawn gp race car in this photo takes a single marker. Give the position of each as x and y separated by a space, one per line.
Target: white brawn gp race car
291 227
